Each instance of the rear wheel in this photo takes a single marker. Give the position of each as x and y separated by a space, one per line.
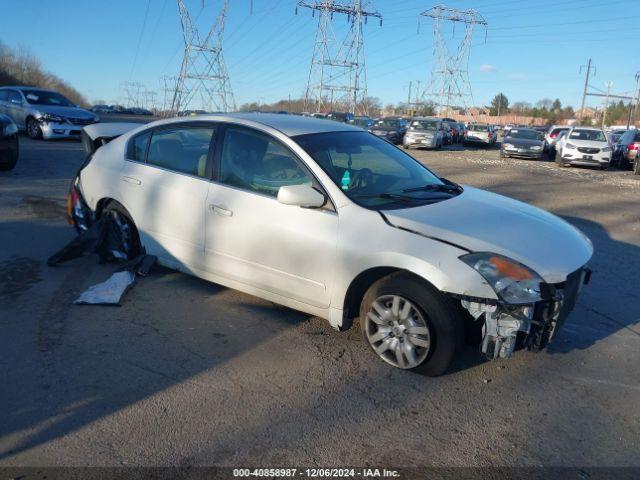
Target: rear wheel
636 166
559 160
410 325
124 233
33 129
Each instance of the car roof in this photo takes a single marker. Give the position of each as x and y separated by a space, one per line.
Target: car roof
290 125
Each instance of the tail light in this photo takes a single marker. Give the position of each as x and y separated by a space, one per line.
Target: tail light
554 135
490 135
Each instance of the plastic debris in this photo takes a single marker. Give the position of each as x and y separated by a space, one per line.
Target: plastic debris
109 292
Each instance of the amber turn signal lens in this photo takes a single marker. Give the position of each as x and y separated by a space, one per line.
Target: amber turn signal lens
510 269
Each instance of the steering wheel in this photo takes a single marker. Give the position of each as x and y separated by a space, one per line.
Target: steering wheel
363 178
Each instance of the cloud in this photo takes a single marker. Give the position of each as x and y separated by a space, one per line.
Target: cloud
486 68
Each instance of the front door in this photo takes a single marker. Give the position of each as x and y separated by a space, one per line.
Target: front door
254 239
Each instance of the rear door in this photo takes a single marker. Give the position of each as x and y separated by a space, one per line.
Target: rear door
164 184
252 238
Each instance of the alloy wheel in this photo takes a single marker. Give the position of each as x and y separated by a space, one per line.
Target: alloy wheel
397 331
33 130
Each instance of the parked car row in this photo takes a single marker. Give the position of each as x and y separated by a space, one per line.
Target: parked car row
133 110
44 113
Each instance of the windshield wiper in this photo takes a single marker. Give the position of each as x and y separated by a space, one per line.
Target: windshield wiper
434 187
389 196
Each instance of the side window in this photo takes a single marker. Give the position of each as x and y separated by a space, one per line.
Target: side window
256 162
137 147
183 149
14 96
4 95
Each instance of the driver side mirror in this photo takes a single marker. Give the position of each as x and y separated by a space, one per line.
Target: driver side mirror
301 195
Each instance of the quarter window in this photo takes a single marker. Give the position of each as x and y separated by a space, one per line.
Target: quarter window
256 162
137 148
182 150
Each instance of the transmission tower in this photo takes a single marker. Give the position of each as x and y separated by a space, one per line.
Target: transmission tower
448 84
337 75
203 72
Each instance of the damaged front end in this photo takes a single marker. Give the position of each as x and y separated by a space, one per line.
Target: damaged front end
528 312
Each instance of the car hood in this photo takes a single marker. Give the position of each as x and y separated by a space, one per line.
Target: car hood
587 143
384 129
482 221
522 142
68 112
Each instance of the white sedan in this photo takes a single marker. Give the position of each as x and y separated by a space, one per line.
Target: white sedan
330 220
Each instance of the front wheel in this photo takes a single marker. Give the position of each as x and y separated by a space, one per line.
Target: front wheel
33 129
410 325
636 166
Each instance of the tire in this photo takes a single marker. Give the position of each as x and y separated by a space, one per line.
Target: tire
131 240
33 129
437 328
406 147
559 160
5 167
636 166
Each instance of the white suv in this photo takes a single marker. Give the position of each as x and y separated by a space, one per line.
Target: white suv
584 146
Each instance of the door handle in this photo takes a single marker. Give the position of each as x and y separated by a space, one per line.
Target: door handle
220 210
135 181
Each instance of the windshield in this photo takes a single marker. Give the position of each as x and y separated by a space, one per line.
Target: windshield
388 123
41 97
374 173
526 134
593 135
424 125
362 122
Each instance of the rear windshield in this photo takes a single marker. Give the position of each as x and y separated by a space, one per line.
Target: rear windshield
593 135
523 133
558 130
424 125
478 128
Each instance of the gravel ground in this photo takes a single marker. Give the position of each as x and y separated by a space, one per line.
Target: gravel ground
190 373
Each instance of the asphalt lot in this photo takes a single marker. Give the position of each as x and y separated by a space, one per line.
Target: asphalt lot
190 373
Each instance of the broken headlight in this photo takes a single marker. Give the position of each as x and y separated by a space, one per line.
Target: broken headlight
513 282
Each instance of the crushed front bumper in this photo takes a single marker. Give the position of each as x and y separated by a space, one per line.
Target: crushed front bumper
57 130
512 327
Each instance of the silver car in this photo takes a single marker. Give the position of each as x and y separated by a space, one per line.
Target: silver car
44 113
424 132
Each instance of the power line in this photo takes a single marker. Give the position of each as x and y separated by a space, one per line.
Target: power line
144 23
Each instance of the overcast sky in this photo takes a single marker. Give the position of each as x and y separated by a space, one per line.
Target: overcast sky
533 49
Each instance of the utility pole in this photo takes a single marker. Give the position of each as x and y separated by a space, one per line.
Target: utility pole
634 103
449 78
606 103
409 96
337 73
586 85
203 72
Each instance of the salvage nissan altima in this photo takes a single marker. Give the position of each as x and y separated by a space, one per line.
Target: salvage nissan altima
331 220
